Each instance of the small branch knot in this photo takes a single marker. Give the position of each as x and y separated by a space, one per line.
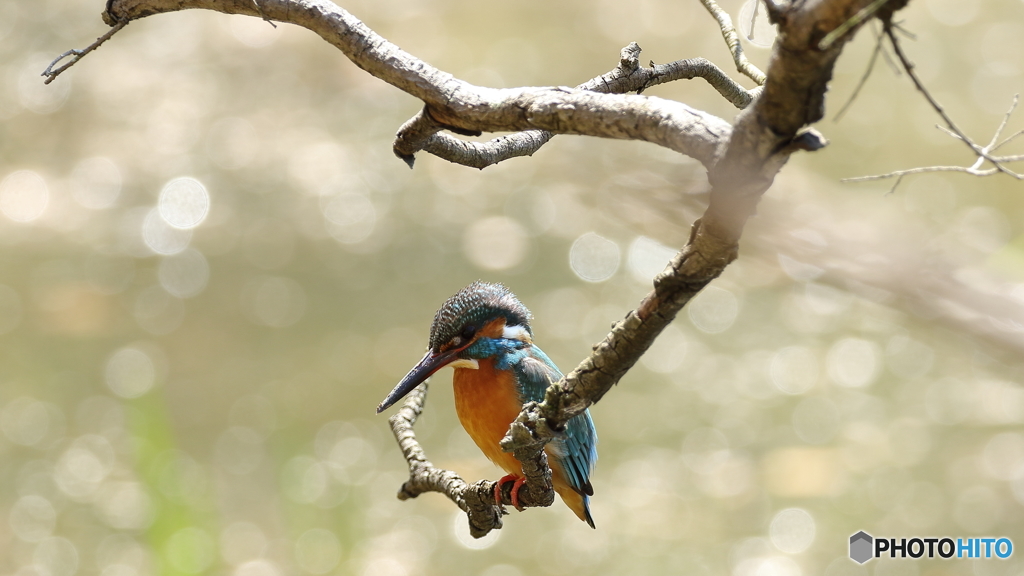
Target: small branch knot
629 58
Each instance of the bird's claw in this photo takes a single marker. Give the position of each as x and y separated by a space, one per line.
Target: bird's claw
518 482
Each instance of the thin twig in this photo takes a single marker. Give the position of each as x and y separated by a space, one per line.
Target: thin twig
899 28
975 169
732 39
1002 125
893 64
51 74
753 20
863 79
983 153
262 15
948 131
922 170
894 185
908 66
1011 138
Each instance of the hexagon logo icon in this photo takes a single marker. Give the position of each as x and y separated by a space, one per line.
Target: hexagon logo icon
861 547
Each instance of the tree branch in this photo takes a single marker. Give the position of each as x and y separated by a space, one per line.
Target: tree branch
879 46
475 500
983 153
628 76
466 109
742 161
764 136
50 74
567 111
732 40
462 107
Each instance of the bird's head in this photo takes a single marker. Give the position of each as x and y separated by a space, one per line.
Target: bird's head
480 310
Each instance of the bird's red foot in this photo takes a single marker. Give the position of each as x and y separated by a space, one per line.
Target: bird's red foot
518 482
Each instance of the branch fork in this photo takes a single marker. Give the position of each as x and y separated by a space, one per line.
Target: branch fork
983 154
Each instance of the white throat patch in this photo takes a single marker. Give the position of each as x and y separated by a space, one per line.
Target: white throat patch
516 333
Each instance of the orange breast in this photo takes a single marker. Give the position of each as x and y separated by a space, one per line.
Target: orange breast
487 402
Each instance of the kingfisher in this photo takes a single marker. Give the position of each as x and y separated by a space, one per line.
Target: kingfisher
484 333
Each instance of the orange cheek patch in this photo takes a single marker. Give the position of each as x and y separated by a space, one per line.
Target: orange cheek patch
493 329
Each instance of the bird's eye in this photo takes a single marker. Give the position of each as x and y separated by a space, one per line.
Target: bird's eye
468 332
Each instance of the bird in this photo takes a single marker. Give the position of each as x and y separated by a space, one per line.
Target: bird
483 332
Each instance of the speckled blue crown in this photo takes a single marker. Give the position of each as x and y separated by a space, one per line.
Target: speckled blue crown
476 304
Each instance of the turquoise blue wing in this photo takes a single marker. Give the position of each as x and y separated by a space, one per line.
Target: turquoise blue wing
578 449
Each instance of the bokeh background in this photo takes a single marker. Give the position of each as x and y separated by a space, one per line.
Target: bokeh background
212 268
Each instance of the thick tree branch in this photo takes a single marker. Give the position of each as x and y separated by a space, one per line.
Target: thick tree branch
569 111
463 107
628 76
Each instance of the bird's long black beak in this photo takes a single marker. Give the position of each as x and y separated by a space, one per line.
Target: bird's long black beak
431 362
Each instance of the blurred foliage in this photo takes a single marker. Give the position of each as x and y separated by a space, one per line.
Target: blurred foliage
212 269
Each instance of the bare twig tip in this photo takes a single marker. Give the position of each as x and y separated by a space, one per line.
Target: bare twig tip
52 74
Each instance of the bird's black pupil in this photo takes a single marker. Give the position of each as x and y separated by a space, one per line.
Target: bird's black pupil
468 332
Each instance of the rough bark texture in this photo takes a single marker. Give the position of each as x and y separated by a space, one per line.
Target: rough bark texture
422 133
742 159
483 514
